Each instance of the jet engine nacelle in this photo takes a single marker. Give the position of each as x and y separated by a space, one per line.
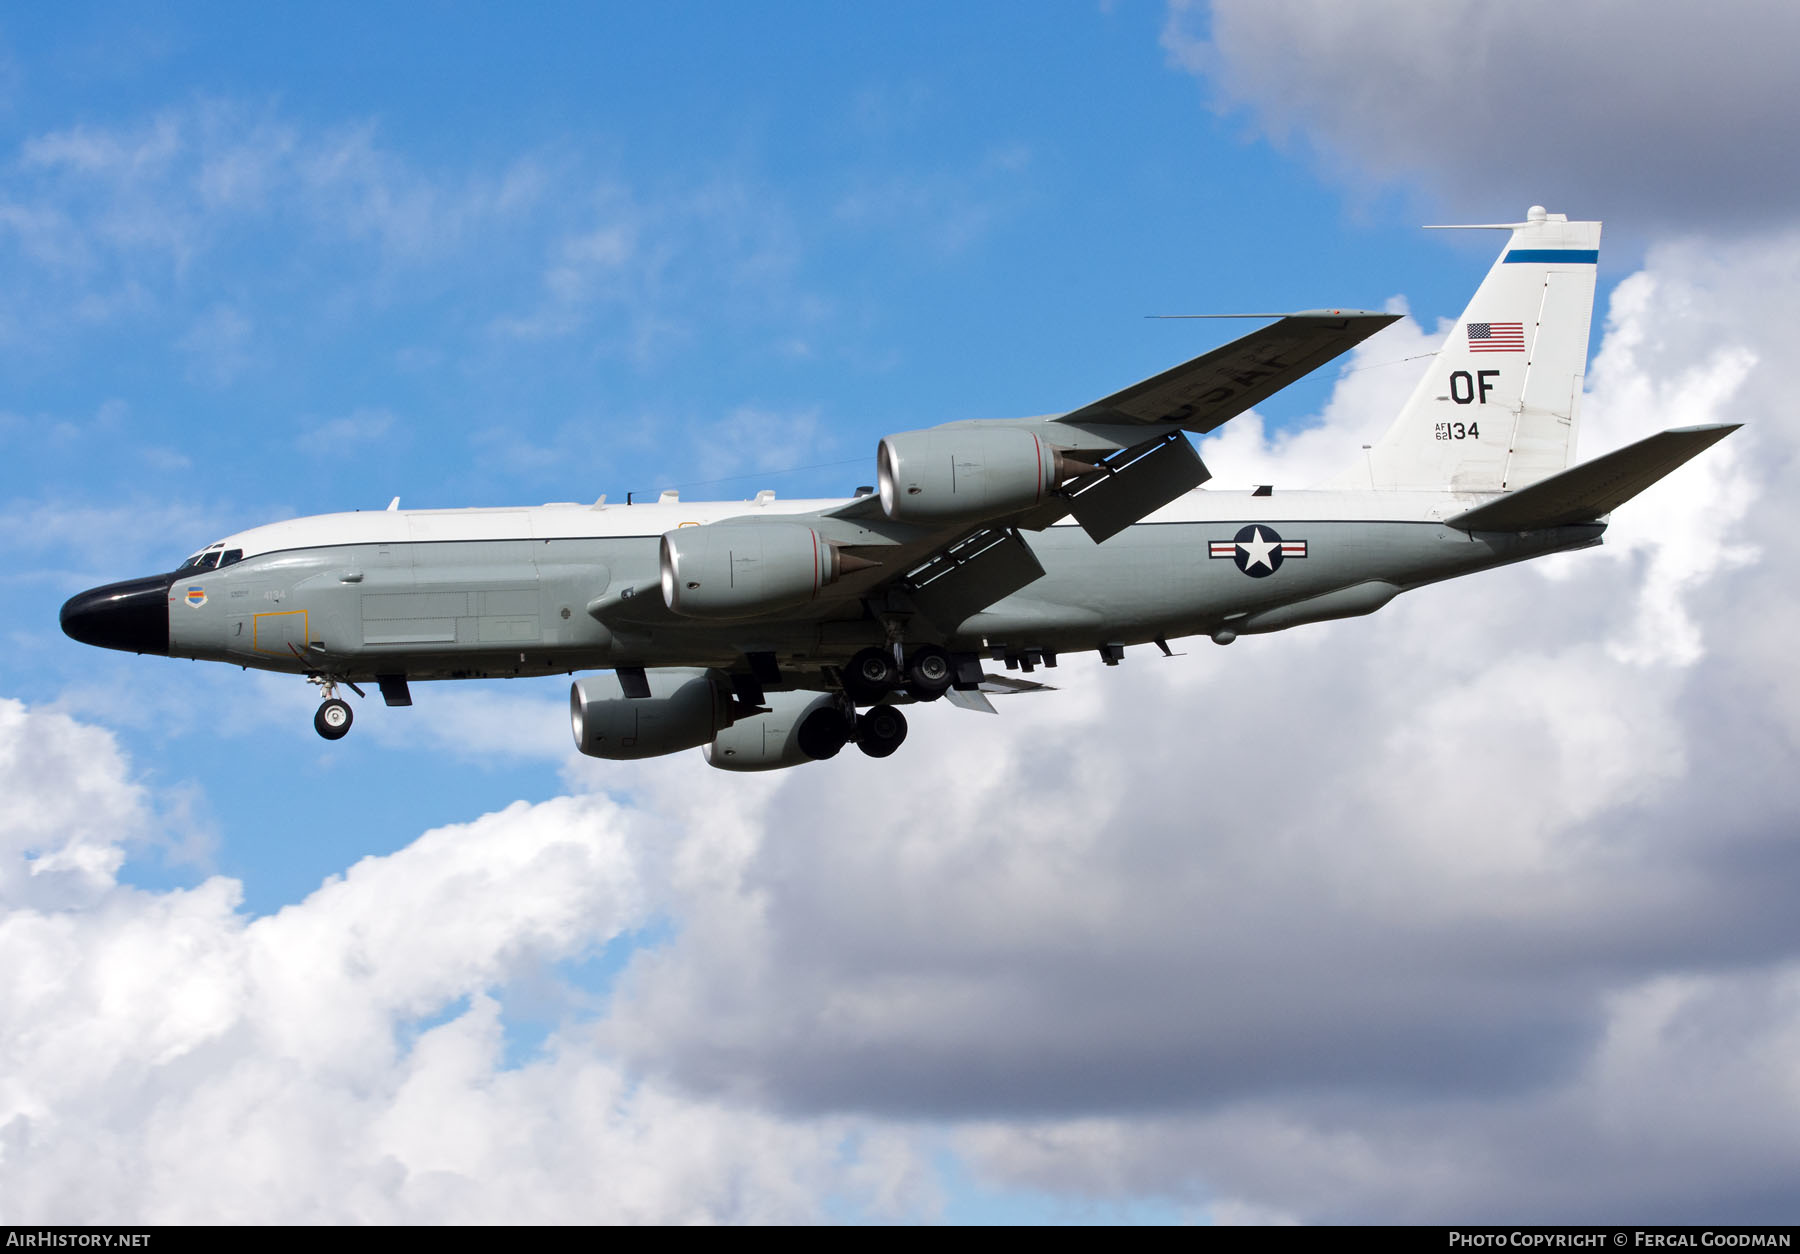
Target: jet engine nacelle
687 706
740 570
965 474
766 742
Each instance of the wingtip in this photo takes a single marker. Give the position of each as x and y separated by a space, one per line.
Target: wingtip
1298 313
1380 316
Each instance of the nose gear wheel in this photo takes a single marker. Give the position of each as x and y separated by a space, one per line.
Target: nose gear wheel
333 719
334 716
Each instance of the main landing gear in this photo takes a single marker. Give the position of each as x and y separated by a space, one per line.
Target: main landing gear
828 729
880 731
874 678
873 673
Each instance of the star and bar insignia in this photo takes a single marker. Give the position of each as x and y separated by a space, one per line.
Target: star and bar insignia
1258 550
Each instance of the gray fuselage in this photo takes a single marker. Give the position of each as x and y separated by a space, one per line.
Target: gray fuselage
485 593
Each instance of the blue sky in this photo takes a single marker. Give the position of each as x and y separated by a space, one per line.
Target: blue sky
841 225
263 264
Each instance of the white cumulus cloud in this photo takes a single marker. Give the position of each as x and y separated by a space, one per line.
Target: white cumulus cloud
1681 117
1474 908
1416 916
167 1058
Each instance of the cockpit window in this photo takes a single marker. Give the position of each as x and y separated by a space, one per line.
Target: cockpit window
205 559
231 555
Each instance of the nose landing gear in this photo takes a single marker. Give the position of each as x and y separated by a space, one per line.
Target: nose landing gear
333 719
334 715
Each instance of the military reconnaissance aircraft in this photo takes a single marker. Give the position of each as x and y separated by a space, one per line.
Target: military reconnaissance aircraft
776 632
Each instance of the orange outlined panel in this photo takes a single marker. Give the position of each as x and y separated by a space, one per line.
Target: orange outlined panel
275 631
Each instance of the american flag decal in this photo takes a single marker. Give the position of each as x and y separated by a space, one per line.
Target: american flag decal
1496 337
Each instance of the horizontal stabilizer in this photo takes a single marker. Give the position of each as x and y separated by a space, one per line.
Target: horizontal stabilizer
1593 489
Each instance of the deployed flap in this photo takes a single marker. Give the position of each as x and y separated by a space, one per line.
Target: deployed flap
995 685
970 700
1201 394
972 574
1163 471
1593 489
1007 686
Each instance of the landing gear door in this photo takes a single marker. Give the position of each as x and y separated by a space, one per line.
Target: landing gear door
280 633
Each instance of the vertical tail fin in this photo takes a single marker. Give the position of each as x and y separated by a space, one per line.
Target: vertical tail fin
1499 406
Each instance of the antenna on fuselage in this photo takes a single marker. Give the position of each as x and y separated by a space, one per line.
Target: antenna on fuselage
393 505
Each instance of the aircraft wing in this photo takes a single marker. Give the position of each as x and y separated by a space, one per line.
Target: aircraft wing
1202 394
1130 457
1197 396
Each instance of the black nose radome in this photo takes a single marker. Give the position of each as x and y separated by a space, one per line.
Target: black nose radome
133 615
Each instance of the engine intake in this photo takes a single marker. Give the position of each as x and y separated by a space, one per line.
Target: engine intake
966 474
741 570
687 706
